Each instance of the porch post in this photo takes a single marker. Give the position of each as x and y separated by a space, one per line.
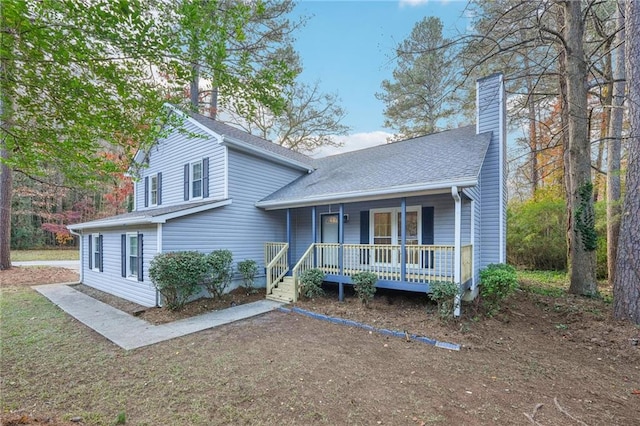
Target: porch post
289 236
314 233
341 251
403 239
457 245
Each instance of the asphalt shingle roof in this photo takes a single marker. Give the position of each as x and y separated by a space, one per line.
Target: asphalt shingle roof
445 157
258 142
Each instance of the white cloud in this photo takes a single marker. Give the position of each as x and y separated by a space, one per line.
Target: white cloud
411 3
354 142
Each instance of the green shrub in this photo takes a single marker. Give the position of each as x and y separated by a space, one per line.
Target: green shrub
248 268
536 232
220 273
497 281
177 276
364 283
312 283
444 294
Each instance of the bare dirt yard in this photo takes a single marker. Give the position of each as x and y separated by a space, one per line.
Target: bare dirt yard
546 359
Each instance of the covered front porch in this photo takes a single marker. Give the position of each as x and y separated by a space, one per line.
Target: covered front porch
410 269
407 242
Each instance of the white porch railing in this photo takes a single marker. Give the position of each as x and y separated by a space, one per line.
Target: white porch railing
276 261
304 264
424 263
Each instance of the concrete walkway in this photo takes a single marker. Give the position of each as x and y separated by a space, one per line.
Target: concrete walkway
130 332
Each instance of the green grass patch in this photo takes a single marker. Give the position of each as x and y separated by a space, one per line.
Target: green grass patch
30 255
546 283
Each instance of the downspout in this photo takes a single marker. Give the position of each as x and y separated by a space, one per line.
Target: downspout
158 251
341 252
81 249
403 239
457 246
314 234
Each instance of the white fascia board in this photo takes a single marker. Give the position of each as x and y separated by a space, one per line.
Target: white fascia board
163 218
376 194
132 220
243 146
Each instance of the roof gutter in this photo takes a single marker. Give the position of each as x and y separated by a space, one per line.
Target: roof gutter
376 194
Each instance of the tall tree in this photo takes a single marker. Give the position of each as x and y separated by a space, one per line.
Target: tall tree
421 95
266 30
581 226
626 285
310 120
79 81
552 36
614 147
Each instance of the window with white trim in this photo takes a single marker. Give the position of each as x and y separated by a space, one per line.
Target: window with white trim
132 256
153 190
96 255
196 179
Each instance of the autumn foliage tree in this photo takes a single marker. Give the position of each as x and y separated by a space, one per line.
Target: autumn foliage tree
79 81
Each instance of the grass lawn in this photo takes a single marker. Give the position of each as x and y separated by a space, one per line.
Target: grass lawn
27 255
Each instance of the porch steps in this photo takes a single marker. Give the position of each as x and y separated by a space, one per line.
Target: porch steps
283 292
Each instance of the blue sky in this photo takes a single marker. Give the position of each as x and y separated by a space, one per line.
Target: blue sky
348 47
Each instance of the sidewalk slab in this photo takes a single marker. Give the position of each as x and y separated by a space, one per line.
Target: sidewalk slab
130 332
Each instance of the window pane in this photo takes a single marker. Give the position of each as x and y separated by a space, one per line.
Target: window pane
133 265
412 227
196 171
382 225
196 190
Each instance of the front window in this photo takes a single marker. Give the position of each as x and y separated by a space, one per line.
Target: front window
96 252
132 255
196 179
153 190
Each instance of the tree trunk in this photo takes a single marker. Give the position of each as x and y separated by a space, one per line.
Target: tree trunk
613 150
626 285
533 137
580 203
6 174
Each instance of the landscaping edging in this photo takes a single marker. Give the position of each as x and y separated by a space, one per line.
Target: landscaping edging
400 334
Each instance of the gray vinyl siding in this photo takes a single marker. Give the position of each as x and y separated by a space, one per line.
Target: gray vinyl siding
111 280
170 155
492 199
240 227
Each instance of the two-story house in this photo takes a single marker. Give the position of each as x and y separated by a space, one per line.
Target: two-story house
414 211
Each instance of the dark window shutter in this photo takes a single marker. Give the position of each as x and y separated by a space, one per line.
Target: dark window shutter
364 236
140 259
159 188
146 191
205 177
100 248
186 182
123 254
427 235
90 252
